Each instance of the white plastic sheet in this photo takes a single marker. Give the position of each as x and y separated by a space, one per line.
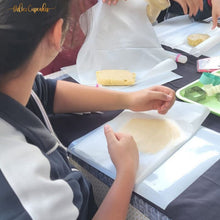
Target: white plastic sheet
120 37
174 31
96 153
177 173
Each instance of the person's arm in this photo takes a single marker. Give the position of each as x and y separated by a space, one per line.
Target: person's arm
215 11
73 97
124 154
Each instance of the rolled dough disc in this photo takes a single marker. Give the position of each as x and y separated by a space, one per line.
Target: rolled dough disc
152 135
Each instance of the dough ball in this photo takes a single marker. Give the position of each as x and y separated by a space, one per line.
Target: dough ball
195 39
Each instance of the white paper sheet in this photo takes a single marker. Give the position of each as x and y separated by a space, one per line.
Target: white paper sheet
94 151
159 77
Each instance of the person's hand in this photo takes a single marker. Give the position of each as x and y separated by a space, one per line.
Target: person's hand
111 2
193 5
215 12
123 151
158 98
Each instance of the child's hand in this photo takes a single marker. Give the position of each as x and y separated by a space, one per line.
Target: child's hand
193 5
158 98
123 152
111 2
215 12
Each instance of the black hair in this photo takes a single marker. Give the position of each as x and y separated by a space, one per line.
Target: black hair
23 24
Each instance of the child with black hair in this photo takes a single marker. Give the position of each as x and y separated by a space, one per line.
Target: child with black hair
36 180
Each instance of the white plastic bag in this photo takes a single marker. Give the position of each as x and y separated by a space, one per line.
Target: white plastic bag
119 37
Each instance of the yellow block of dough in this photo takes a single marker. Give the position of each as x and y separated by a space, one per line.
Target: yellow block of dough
115 77
195 39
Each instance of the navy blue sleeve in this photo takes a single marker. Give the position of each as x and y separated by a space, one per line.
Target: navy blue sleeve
45 90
